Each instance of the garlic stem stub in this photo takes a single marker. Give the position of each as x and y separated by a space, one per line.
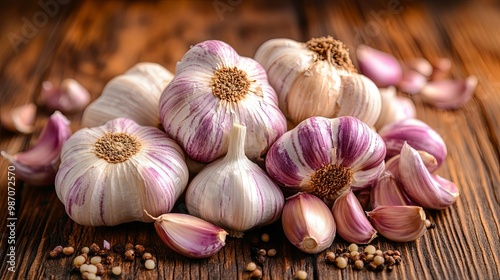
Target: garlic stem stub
213 88
111 173
308 223
190 236
38 165
233 192
327 157
317 78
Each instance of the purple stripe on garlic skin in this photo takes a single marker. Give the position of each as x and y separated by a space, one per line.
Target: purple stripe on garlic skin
417 134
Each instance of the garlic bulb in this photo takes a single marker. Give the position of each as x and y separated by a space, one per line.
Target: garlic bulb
317 78
133 95
308 223
213 88
233 192
111 173
327 157
38 165
189 235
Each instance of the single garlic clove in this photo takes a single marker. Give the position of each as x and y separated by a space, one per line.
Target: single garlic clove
189 235
350 218
412 82
308 223
441 69
422 187
382 68
133 95
420 65
399 223
38 165
430 162
20 119
418 134
70 97
449 94
388 191
394 108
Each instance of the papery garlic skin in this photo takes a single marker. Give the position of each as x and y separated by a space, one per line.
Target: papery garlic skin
417 134
189 235
326 157
317 78
38 165
351 220
111 173
425 189
308 223
133 95
213 88
399 223
233 192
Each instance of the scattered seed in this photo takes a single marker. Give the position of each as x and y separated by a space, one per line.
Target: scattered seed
150 264
84 268
85 275
251 266
301 275
330 257
91 276
79 260
265 237
353 247
372 266
117 270
271 252
92 268
262 252
109 259
100 269
85 250
95 259
359 264
341 262
56 252
379 252
370 249
68 250
94 248
139 249
256 274
129 246
129 255
147 256
378 260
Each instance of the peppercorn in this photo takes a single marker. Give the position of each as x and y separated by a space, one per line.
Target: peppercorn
301 275
129 255
265 237
272 252
129 246
359 264
94 248
147 256
139 249
256 274
56 252
251 266
68 250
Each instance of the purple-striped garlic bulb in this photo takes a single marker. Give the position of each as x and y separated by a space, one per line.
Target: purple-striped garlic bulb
110 174
213 88
327 157
233 192
318 78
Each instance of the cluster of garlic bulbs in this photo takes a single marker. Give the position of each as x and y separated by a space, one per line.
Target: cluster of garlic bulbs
229 114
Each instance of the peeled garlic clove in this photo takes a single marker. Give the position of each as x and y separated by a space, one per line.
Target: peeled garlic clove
317 78
190 236
350 218
382 68
412 82
308 223
387 191
399 223
449 94
134 95
71 96
417 134
420 65
39 164
111 173
394 108
326 157
233 192
20 119
213 88
422 187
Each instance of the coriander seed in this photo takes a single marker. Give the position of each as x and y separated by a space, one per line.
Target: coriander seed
251 266
341 262
378 260
272 252
370 249
117 270
301 275
359 264
256 274
265 237
68 250
353 247
150 264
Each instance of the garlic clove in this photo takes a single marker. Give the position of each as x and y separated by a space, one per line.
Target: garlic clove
412 82
441 69
418 134
449 94
190 236
70 97
420 65
399 223
382 68
234 192
430 162
38 165
422 187
350 218
20 119
393 108
134 95
308 223
388 191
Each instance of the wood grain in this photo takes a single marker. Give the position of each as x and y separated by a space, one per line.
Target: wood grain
93 41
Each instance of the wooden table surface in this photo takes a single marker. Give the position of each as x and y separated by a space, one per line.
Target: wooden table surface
94 41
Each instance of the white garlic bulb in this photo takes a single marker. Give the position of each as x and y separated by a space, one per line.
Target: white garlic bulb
233 192
317 78
133 95
110 174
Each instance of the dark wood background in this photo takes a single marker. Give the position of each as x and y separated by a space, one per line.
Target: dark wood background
94 41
